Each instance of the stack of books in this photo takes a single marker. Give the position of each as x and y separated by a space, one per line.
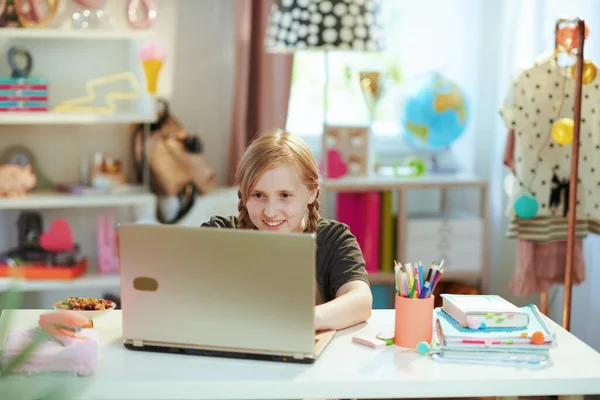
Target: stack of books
24 94
480 329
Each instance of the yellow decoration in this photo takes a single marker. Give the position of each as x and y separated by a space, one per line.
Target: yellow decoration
562 131
81 104
152 69
420 131
589 72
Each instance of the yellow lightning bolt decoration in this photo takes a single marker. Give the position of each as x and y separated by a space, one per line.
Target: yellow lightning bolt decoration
79 104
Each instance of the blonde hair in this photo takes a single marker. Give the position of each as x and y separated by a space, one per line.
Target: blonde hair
266 152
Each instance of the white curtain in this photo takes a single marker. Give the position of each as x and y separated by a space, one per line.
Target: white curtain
509 35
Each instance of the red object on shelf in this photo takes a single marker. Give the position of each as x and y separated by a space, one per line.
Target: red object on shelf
44 271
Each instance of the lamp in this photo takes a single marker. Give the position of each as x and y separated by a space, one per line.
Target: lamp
348 25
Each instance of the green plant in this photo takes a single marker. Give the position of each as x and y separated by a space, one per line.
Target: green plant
51 386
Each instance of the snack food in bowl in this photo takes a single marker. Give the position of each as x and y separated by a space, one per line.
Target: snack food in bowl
89 307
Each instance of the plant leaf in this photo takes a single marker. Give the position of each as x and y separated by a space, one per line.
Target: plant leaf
23 355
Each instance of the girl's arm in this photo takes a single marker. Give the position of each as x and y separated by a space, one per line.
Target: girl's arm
351 306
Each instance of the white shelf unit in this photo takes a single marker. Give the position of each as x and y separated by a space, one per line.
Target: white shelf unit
69 58
90 280
34 201
437 235
74 34
65 118
48 202
63 56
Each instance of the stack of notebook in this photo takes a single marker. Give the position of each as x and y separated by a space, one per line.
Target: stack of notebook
527 341
23 94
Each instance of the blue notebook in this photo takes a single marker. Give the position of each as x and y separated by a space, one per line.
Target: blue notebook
452 332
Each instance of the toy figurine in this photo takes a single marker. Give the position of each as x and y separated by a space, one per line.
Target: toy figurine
15 180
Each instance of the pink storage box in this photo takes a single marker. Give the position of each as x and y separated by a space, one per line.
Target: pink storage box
362 213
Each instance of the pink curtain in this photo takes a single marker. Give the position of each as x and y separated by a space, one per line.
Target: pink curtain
262 80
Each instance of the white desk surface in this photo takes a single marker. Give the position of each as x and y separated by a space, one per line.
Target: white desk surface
345 370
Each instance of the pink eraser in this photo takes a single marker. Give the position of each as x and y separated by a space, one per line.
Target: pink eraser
370 341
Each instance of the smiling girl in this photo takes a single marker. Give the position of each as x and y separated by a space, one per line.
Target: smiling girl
279 191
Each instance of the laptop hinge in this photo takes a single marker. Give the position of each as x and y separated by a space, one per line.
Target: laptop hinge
298 356
138 343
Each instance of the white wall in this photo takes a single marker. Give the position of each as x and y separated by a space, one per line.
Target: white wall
204 70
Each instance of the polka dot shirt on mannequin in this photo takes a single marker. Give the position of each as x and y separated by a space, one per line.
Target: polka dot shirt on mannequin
541 95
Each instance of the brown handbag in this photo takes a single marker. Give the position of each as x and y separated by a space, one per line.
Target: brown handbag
177 165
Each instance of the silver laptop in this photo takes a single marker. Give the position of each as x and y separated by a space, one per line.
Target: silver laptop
219 292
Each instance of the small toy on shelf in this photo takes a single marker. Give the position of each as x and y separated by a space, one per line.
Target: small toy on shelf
152 56
107 172
20 91
23 157
53 256
16 180
58 238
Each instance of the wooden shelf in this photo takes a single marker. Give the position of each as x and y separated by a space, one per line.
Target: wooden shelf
36 201
74 34
387 278
56 118
92 280
383 182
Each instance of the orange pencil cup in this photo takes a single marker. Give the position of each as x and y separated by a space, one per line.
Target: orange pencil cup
414 320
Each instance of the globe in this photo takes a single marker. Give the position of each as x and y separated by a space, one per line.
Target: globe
434 113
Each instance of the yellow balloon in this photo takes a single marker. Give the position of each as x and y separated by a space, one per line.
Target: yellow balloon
562 131
589 72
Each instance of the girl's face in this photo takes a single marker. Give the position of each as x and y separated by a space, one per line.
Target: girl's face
279 200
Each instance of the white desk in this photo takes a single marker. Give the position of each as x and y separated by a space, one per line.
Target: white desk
346 370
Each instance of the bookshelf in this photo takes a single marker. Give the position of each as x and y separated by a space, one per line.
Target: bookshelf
466 248
68 59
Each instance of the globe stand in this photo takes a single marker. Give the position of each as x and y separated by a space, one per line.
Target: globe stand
437 167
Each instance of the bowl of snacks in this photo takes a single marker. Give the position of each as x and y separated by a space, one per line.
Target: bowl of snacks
90 307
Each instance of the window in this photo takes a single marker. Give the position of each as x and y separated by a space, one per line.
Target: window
346 105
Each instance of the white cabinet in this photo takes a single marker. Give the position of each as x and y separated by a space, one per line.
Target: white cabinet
458 241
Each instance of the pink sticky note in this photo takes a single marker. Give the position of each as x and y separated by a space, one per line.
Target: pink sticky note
369 341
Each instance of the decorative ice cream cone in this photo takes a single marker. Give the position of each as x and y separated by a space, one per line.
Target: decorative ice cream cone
152 56
152 70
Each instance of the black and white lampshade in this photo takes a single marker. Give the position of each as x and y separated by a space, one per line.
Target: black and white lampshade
325 25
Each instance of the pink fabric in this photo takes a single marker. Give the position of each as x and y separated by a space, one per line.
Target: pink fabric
509 150
262 81
361 212
540 265
79 354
